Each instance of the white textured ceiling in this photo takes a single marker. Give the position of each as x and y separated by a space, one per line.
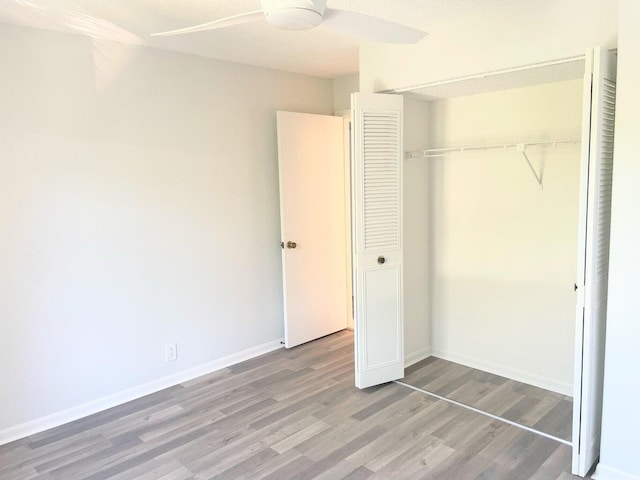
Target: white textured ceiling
320 52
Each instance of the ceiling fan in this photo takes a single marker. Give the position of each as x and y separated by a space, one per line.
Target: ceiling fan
306 14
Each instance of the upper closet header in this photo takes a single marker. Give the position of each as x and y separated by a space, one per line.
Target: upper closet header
559 70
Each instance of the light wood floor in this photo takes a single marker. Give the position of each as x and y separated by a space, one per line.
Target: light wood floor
546 411
290 414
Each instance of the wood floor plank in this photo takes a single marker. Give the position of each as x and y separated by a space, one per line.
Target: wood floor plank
418 460
554 466
459 465
245 466
268 468
292 470
22 472
556 422
294 439
338 470
67 456
327 458
360 473
31 458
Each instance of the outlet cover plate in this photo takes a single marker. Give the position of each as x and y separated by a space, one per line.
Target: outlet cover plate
170 352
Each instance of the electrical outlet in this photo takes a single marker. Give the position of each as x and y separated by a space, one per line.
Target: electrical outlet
170 352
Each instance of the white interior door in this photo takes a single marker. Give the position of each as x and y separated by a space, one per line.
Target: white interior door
593 255
377 225
313 224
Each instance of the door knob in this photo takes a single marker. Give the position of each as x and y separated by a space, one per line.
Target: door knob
292 244
381 259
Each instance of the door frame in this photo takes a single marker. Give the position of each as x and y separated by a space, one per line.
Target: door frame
348 155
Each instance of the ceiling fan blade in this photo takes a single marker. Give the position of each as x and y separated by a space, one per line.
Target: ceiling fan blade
370 28
223 22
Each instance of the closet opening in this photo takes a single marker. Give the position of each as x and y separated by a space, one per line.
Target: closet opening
499 172
502 174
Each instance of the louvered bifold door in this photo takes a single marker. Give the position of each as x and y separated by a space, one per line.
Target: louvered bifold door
377 228
593 255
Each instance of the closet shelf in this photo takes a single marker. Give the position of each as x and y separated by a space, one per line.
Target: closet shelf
507 147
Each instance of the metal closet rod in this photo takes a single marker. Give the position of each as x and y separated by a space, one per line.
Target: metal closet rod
518 147
506 147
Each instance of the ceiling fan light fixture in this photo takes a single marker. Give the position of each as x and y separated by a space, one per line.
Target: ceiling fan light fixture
306 14
294 18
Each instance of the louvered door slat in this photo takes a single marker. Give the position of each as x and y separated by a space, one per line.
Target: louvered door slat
381 170
605 182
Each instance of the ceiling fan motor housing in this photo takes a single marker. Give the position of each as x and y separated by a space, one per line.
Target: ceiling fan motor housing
294 14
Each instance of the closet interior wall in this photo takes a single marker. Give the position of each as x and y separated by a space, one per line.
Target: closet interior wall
500 252
417 328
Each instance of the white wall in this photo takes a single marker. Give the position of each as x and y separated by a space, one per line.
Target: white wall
520 32
503 252
417 329
138 207
343 87
621 415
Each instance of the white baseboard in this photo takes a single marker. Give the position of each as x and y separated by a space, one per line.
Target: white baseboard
74 413
607 473
506 371
416 356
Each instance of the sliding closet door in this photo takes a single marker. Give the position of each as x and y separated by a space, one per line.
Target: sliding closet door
377 227
593 255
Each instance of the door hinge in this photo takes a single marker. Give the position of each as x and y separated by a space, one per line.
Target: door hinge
353 307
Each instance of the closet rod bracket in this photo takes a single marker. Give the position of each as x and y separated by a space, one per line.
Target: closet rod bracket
521 147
